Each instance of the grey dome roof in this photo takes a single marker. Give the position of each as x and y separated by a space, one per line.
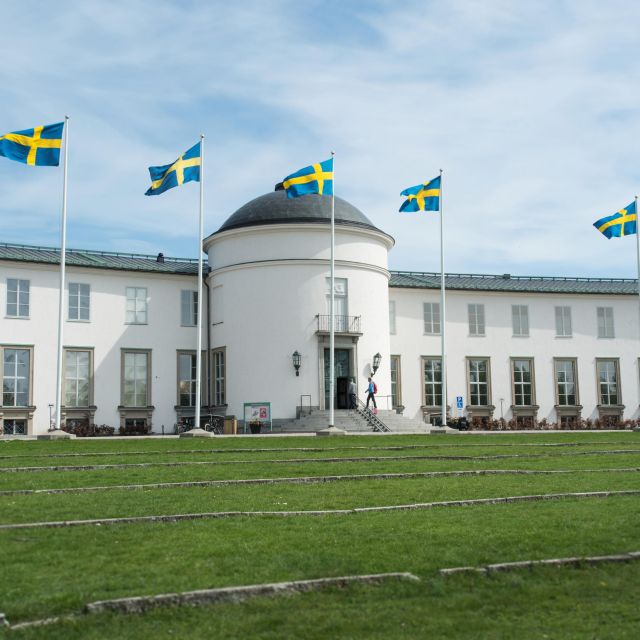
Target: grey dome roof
276 208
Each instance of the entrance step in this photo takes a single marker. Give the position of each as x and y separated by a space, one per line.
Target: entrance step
350 421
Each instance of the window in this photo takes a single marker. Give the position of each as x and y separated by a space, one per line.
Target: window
16 377
219 377
392 316
17 298
566 387
476 319
340 302
431 312
520 319
563 322
189 308
136 311
396 392
135 378
608 390
187 379
605 322
15 427
478 375
77 378
522 371
432 381
79 297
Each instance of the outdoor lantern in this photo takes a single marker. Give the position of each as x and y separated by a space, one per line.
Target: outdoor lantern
376 362
296 361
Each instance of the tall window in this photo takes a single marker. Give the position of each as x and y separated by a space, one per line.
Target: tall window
187 379
609 392
522 371
77 378
189 308
17 298
135 379
392 316
520 319
566 388
340 302
15 377
136 312
476 319
431 312
563 322
478 371
396 394
219 377
79 301
605 322
432 381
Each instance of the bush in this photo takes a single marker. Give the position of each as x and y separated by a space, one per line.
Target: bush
82 429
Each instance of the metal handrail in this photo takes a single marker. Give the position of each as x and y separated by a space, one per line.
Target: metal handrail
341 324
372 419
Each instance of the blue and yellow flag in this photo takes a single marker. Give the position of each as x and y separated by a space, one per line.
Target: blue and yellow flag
622 223
422 197
39 146
185 169
318 178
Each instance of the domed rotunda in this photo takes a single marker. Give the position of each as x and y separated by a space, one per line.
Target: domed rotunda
269 286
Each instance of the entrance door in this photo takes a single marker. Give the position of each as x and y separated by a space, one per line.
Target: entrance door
341 378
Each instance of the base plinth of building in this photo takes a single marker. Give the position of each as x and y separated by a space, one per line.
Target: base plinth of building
442 430
196 433
55 434
331 431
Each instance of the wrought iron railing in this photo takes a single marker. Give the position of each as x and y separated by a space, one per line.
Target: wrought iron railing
341 324
372 419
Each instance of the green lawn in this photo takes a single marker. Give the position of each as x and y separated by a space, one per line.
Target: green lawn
49 572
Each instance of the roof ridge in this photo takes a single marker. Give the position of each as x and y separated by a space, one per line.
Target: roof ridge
507 276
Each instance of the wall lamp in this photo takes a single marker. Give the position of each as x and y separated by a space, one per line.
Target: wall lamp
297 359
376 362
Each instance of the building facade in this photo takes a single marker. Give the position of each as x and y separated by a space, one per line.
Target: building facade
527 349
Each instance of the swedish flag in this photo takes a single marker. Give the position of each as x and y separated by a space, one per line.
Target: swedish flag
39 146
622 223
422 197
185 169
317 178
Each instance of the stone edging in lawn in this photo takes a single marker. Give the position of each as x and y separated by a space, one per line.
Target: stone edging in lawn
554 562
102 467
201 597
327 512
315 479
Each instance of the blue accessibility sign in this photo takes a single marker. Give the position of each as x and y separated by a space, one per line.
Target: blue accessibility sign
459 402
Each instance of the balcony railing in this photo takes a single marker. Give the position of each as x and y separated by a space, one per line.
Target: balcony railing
341 324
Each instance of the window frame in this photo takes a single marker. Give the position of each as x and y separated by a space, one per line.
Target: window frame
432 306
123 354
219 396
192 382
435 383
616 365
487 361
563 319
603 328
532 384
556 383
473 319
520 320
24 414
90 380
135 301
78 306
18 304
191 305
396 398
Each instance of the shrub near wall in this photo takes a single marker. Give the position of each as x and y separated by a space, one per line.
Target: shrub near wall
476 424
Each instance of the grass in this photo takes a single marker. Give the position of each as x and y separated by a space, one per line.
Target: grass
56 571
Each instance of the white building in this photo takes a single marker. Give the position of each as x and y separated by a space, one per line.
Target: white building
522 348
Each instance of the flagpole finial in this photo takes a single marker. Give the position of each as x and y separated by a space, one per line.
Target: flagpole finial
202 136
333 153
66 117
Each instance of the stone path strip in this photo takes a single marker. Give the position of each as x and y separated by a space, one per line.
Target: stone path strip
202 597
316 479
310 449
326 512
101 467
553 562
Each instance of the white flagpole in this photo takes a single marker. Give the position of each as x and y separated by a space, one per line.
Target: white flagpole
638 253
200 314
331 303
443 323
63 249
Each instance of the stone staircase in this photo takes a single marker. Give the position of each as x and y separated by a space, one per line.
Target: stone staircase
352 422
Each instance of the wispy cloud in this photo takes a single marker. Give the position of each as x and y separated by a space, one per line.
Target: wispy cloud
528 107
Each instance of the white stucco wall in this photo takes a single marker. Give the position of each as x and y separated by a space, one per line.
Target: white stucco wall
500 345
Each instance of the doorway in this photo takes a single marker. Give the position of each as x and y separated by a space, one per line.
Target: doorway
342 372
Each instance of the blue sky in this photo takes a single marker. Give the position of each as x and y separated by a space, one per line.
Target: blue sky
529 107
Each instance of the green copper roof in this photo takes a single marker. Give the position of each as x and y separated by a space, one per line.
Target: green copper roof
507 282
99 259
